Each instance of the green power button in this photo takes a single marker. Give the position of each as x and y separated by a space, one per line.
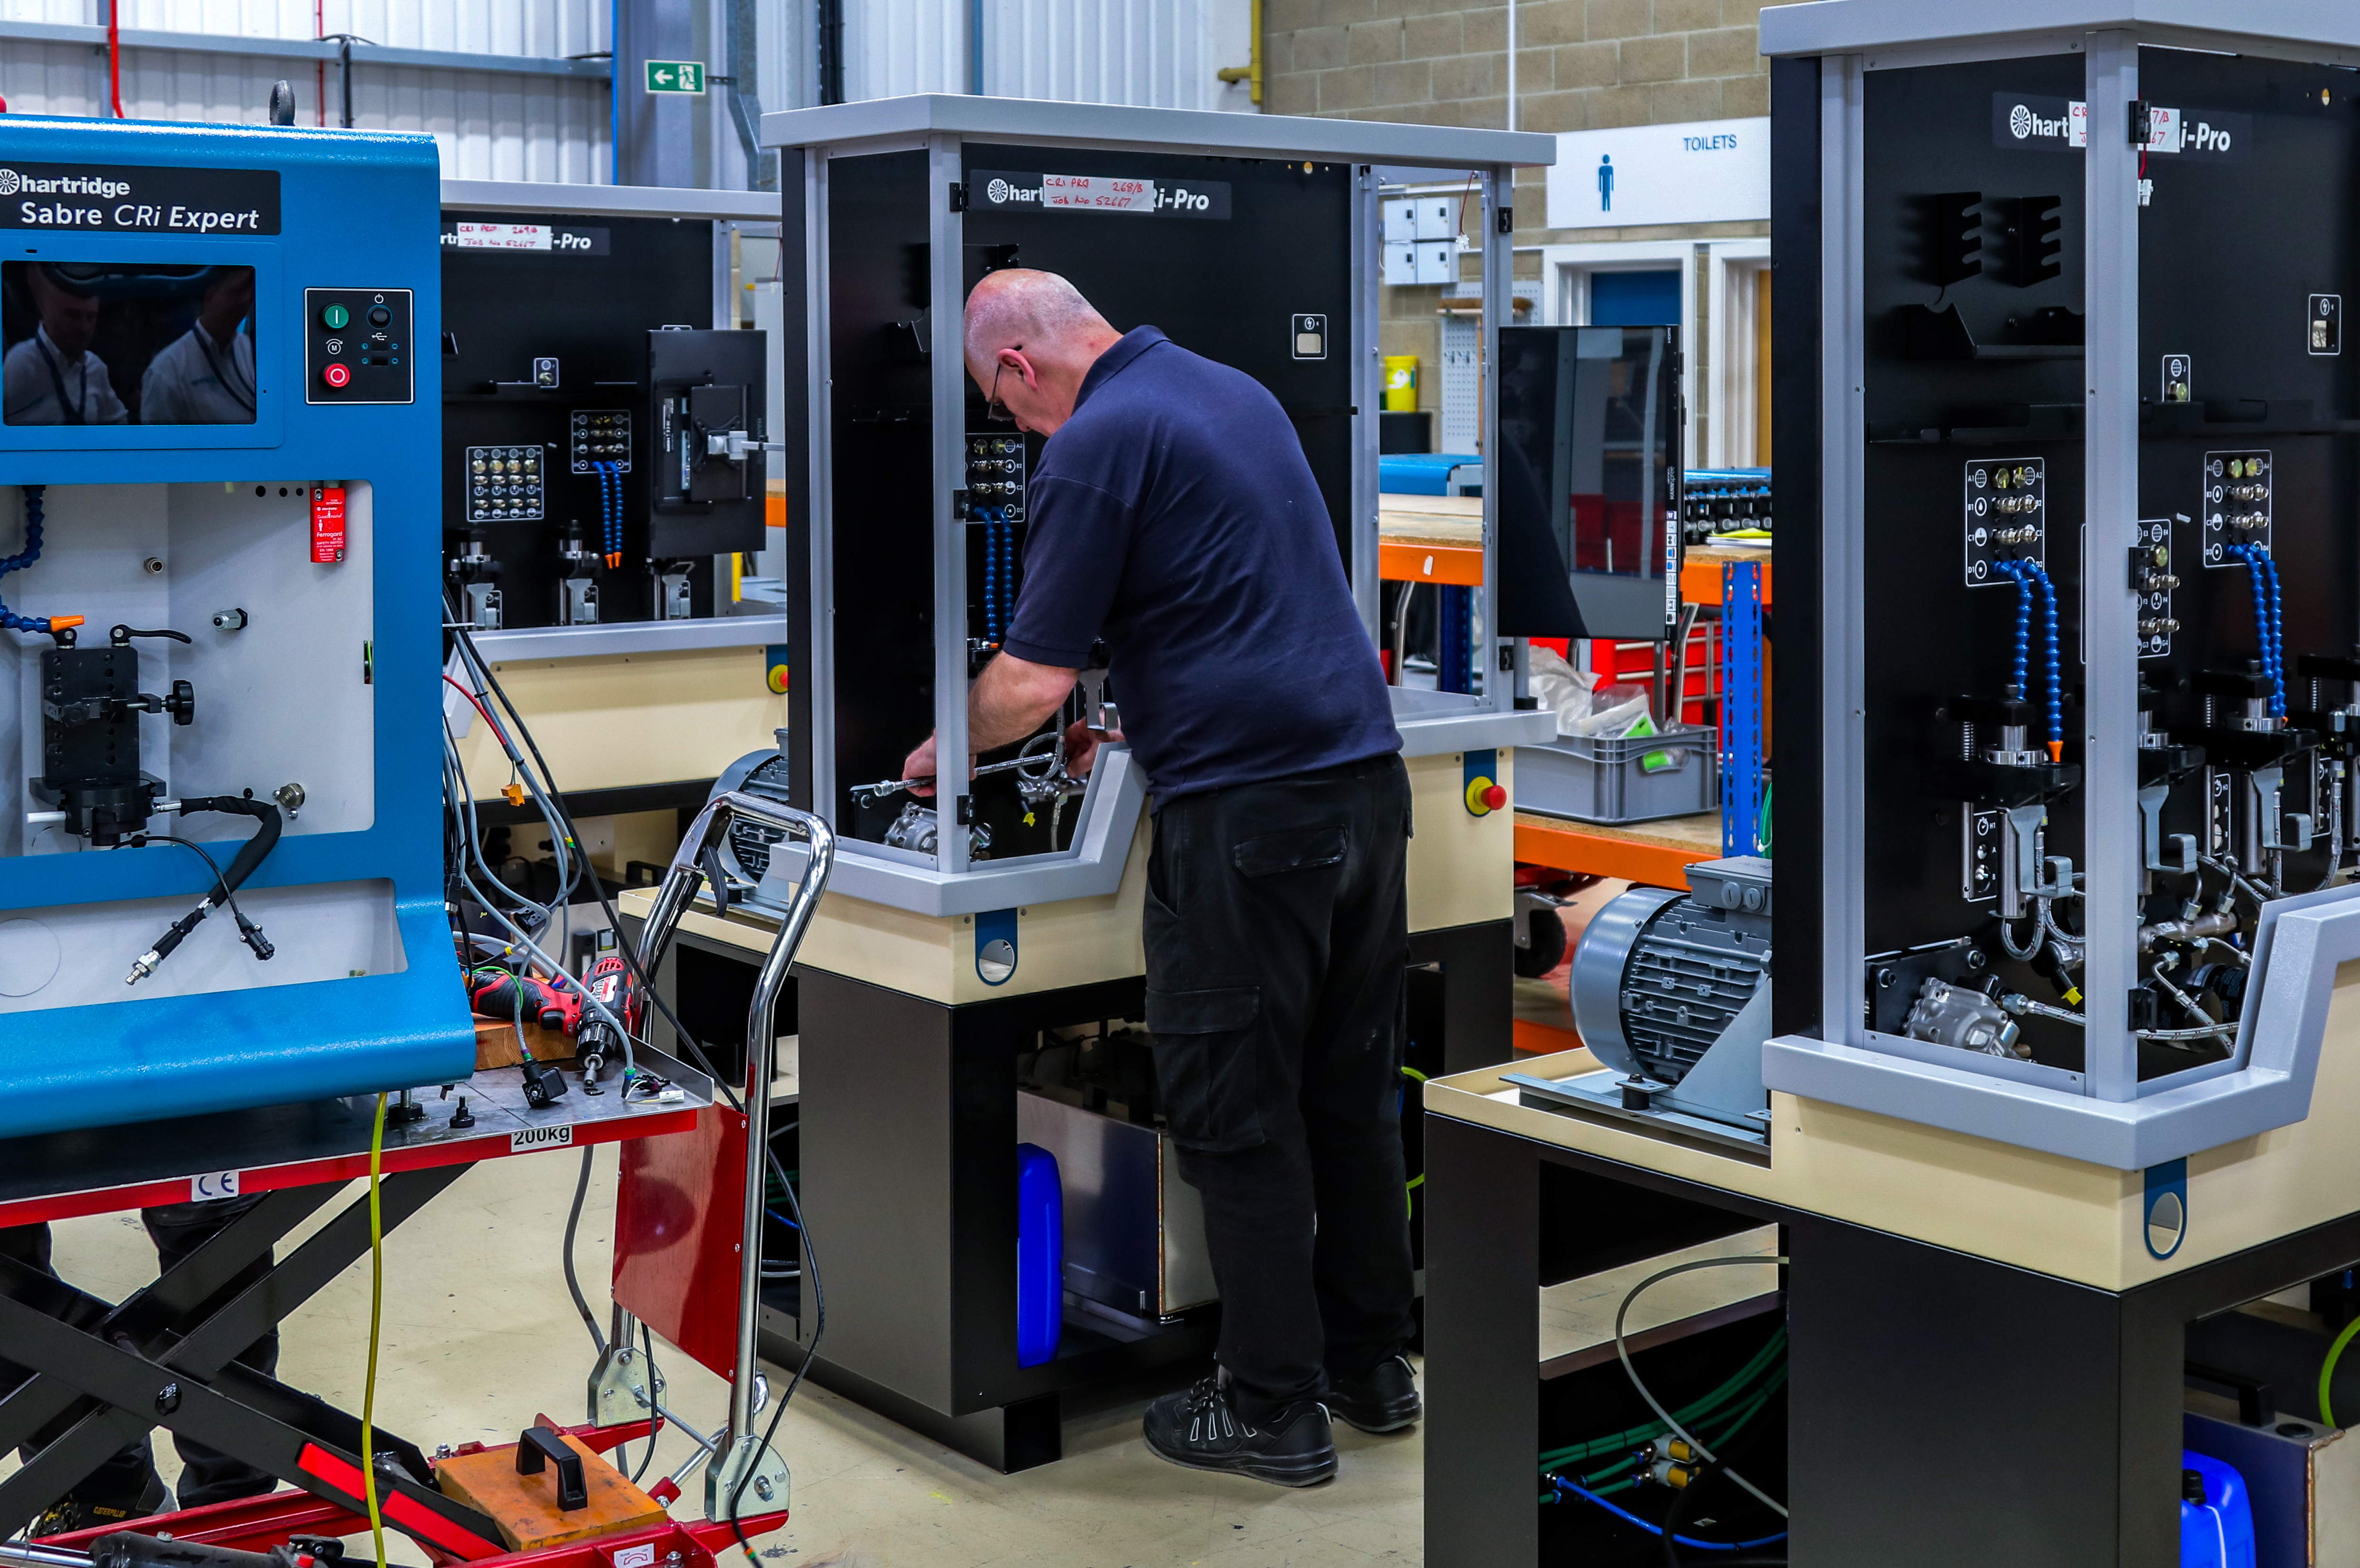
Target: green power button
336 318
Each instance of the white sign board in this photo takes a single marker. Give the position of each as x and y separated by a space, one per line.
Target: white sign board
499 236
1098 193
1705 171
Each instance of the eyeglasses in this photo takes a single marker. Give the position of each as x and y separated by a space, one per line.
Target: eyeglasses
993 408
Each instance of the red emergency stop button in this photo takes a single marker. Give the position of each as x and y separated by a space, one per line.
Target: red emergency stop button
337 374
1485 797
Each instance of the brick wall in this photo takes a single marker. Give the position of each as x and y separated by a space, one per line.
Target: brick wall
1580 65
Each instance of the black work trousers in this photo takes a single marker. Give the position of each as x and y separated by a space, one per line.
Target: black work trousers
1277 938
207 1475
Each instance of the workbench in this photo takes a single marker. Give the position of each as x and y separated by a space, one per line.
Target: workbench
1965 1389
1657 853
1431 538
165 1356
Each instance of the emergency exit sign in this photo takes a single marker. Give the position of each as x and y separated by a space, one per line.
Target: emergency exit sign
676 76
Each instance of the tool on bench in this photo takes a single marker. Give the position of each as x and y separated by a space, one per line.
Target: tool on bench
610 981
507 994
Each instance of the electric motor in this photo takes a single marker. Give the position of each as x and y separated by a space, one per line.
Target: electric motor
746 853
1659 976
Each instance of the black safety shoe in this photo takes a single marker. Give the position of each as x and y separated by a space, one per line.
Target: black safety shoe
1202 1430
1385 1400
71 1513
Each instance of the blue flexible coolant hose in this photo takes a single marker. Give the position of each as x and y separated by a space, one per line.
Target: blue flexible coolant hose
24 558
2023 623
2268 623
1572 1490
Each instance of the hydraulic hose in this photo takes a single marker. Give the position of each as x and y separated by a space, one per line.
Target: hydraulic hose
249 856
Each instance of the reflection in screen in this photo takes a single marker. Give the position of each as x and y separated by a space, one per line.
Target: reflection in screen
1590 430
124 343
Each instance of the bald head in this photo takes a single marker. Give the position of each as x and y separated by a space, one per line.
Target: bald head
1031 339
1019 308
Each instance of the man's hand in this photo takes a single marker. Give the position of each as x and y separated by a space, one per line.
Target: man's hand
919 764
1007 703
1082 744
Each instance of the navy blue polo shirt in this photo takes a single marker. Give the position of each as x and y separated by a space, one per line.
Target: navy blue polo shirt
1174 515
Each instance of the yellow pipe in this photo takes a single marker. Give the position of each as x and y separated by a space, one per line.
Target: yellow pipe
1250 73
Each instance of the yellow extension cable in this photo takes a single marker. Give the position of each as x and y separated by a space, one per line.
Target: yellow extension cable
376 1313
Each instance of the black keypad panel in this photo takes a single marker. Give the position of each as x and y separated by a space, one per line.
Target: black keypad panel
357 346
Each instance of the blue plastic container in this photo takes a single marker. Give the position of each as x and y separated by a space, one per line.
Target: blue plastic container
1041 1260
1422 472
2219 1531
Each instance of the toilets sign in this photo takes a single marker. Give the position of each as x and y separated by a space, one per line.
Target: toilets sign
1705 171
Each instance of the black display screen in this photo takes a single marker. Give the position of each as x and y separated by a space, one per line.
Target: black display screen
1590 441
125 343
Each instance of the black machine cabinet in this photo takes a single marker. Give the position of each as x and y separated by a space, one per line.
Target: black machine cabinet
1977 566
603 443
1233 282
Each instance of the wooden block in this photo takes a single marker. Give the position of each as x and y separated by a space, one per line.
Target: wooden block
525 1507
495 1044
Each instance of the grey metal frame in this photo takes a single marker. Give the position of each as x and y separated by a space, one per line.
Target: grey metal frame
2104 1113
942 124
744 1450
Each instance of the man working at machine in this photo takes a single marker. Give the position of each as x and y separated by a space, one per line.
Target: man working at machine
1173 515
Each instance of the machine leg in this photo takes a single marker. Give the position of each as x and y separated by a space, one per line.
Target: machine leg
1483 1346
1928 1384
1478 965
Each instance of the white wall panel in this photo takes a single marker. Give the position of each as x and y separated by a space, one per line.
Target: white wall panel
489 125
897 47
1159 53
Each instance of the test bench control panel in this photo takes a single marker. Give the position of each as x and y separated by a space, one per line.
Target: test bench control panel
221 849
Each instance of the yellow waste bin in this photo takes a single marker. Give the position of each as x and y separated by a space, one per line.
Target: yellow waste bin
1401 383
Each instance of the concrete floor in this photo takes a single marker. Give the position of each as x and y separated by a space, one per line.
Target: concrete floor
479 1335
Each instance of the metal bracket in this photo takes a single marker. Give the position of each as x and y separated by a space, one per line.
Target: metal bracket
766 1480
2020 858
624 1387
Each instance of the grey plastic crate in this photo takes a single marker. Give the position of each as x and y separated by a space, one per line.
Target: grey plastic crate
1598 778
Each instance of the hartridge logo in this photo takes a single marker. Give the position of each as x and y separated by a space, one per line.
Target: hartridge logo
2023 123
11 182
1002 192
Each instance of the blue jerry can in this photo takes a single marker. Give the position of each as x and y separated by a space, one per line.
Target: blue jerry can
2216 1516
1041 1260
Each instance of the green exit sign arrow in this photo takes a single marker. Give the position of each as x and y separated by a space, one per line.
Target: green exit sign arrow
676 76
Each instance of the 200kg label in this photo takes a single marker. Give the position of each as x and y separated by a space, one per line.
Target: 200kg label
540 1137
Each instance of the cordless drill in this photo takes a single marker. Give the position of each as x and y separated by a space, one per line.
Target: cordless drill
611 982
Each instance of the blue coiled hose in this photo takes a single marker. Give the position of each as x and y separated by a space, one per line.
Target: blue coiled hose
2029 575
2269 625
24 558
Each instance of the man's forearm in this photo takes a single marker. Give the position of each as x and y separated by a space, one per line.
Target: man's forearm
1010 699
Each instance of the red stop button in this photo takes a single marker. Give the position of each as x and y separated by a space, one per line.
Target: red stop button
1495 797
338 374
